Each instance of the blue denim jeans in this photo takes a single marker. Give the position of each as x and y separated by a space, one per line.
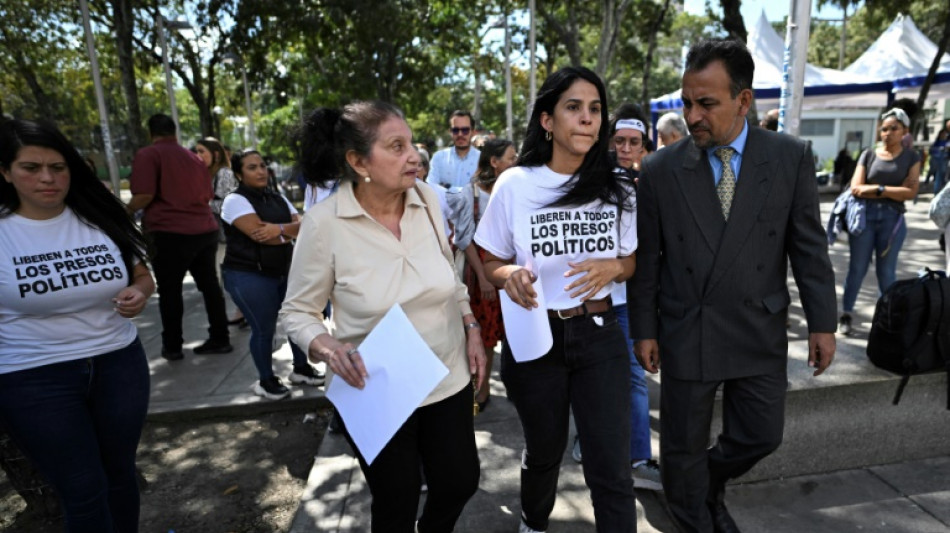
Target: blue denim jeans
640 443
882 238
259 298
80 422
587 371
939 164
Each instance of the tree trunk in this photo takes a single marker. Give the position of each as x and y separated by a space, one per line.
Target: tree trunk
27 481
648 61
932 72
123 21
732 20
568 34
609 28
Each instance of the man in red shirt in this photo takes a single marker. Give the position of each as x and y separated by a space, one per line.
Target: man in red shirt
172 185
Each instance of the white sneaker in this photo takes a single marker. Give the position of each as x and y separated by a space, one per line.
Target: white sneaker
646 476
525 529
306 375
576 451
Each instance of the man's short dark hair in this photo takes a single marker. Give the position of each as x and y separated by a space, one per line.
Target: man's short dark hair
462 113
735 58
160 125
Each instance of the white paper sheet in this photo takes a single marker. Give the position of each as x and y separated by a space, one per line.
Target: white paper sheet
528 332
402 370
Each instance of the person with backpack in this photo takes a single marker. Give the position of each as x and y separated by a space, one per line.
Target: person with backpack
885 177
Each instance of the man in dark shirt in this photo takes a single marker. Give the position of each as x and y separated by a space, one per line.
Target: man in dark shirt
172 185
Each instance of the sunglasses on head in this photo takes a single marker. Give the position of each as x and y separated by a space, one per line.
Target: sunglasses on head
463 131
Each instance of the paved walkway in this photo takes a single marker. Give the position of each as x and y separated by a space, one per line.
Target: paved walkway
912 496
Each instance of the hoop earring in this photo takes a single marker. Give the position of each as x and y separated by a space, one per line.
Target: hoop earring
548 135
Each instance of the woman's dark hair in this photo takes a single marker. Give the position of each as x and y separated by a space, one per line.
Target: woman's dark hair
485 174
219 158
326 135
87 197
237 161
594 180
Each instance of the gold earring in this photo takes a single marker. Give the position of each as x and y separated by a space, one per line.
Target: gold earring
548 135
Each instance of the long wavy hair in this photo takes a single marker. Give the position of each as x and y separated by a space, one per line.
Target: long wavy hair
87 197
219 157
485 173
594 179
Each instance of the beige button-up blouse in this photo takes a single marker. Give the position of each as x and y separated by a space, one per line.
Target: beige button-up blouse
345 256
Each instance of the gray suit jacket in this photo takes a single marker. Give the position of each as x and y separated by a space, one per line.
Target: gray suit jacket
714 294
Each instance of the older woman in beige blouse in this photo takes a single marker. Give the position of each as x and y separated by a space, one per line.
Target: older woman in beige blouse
366 248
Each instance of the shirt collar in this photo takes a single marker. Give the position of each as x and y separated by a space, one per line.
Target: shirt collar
737 144
348 207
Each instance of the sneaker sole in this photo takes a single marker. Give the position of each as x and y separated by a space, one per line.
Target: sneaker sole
258 390
297 379
647 484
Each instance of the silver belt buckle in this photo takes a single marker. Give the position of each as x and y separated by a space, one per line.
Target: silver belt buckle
562 317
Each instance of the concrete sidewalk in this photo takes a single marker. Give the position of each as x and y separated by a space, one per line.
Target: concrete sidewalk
911 493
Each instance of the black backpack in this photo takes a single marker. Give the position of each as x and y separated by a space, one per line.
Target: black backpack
910 333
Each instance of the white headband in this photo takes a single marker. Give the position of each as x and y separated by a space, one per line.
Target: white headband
631 124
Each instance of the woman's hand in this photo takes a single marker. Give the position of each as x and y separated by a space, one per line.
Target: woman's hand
265 232
519 287
599 272
489 292
342 358
130 301
476 355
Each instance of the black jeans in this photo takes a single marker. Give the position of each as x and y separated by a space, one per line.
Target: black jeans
173 255
441 437
587 370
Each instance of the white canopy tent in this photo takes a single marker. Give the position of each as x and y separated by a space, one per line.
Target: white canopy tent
822 85
903 55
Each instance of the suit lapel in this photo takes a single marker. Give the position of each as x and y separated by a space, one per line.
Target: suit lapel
696 183
751 191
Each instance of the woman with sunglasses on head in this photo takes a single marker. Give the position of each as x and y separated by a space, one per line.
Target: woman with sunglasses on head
885 178
562 219
74 379
468 205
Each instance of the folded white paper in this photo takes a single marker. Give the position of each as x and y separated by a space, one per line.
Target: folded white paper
528 332
402 370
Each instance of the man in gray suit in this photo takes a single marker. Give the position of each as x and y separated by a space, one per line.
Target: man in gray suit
721 214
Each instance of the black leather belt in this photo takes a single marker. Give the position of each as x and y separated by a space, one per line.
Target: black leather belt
587 308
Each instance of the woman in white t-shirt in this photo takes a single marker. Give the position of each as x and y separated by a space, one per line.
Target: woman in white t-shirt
74 380
561 219
259 225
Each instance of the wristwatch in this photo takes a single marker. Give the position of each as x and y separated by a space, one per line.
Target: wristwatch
880 190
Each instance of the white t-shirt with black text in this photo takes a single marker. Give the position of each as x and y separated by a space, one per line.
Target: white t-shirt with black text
57 281
517 225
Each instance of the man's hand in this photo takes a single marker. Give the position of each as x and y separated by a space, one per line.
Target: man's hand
648 353
821 351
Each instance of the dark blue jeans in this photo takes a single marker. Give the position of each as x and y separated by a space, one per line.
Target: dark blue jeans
259 298
80 422
587 371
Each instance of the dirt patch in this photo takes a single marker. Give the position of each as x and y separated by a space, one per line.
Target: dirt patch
235 474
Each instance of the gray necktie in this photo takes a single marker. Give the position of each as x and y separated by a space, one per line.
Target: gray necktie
726 189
